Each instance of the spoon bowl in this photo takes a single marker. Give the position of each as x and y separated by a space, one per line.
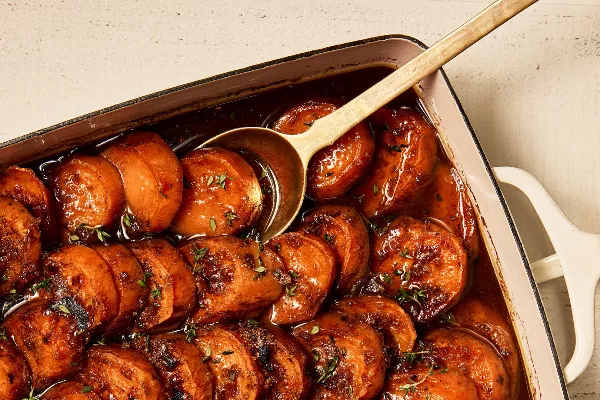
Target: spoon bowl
288 155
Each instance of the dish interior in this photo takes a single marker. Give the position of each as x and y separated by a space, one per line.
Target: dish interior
186 132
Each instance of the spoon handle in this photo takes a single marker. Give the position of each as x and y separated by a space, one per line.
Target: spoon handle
327 130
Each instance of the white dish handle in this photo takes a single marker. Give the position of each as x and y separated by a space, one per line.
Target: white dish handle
577 252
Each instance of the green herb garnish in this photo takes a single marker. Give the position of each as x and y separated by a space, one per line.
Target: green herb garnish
412 386
327 372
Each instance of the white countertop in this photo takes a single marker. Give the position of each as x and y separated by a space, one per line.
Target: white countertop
531 89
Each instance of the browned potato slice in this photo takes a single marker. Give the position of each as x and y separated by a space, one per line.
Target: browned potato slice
24 186
235 277
349 360
383 314
14 373
236 374
345 231
179 364
20 246
222 194
446 200
90 198
422 265
333 170
486 321
71 391
120 374
477 359
152 177
128 277
172 290
425 383
310 270
50 339
78 272
281 359
404 159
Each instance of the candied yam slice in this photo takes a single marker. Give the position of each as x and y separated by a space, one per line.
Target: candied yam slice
333 170
179 364
20 246
426 383
344 230
309 273
485 320
476 358
118 373
171 287
90 198
14 373
49 338
446 200
24 186
128 278
236 375
348 355
222 194
235 277
421 265
152 178
70 390
78 272
405 155
385 315
282 360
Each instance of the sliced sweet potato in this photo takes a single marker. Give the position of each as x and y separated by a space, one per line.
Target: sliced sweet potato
421 265
486 321
70 390
90 198
426 383
235 277
24 186
78 272
117 373
49 338
348 355
172 291
344 230
333 170
477 359
14 373
179 365
310 270
405 155
152 177
383 314
236 375
20 246
446 200
222 194
128 277
281 359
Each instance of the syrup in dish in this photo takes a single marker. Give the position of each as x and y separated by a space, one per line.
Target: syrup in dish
131 268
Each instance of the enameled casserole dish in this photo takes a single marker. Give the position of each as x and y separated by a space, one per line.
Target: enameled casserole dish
542 369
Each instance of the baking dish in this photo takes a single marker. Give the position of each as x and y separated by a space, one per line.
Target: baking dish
510 263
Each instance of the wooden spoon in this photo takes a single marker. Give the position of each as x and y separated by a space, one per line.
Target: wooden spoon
288 155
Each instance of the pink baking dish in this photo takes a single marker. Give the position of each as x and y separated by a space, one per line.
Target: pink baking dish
545 376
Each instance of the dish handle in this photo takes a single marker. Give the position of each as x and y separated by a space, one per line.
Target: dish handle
576 258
